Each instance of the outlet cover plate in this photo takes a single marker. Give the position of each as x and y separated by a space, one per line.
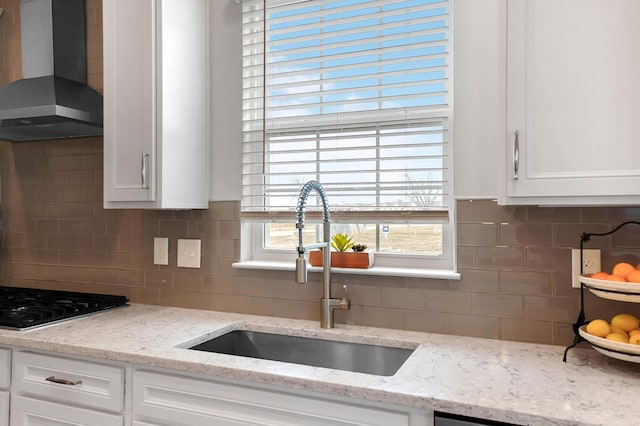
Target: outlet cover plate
189 252
592 264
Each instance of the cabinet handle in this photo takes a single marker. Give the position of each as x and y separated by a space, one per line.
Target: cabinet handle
54 379
144 170
516 155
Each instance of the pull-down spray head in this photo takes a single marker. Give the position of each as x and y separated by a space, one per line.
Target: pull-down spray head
301 269
301 263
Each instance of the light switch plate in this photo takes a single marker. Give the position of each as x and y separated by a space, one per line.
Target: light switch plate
160 251
189 252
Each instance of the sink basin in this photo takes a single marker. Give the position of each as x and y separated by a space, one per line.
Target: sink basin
356 357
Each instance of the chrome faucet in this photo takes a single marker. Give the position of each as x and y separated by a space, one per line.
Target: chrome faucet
327 303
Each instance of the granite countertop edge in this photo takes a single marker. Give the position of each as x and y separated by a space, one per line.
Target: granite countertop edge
521 383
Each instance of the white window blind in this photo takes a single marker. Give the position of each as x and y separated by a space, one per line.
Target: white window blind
354 94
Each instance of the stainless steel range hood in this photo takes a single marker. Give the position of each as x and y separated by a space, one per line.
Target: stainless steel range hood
53 100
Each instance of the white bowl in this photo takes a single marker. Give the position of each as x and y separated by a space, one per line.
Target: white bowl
619 350
609 289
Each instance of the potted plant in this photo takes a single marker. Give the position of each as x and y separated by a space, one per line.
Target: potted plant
341 242
345 254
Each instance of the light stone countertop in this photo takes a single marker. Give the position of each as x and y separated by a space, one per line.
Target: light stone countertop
507 381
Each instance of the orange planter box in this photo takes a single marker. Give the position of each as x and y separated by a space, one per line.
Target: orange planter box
344 259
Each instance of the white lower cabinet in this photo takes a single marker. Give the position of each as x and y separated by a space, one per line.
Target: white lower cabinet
4 407
167 399
36 412
38 389
51 390
5 382
5 367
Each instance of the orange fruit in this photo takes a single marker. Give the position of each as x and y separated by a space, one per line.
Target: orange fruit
617 330
617 278
623 269
626 322
600 275
617 338
635 339
598 327
638 266
634 277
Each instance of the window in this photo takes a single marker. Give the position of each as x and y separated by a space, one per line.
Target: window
354 94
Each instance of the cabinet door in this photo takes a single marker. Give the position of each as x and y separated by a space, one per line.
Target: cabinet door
5 368
573 99
34 412
4 407
182 401
129 100
156 104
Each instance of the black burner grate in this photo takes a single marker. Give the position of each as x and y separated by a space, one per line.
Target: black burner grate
22 308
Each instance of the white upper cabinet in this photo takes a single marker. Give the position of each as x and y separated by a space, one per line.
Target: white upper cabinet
573 100
155 104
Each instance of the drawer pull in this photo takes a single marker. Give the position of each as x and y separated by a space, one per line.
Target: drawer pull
54 379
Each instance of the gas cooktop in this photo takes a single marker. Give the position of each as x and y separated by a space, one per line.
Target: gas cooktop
25 308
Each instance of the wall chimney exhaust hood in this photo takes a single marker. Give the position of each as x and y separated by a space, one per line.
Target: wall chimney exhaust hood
52 101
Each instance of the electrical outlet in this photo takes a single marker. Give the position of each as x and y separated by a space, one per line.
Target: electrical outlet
161 251
590 264
189 253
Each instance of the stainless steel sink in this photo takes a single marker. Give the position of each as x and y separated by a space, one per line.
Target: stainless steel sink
356 357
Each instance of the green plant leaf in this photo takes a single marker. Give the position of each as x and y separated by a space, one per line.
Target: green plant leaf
341 242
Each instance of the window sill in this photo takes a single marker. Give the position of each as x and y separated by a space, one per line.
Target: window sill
440 274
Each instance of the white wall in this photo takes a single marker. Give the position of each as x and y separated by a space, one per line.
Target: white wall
226 104
479 98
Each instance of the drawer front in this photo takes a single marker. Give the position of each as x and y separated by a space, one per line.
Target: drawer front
78 382
183 401
34 412
4 407
5 368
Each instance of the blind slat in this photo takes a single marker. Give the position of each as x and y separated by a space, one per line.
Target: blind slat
340 216
387 32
